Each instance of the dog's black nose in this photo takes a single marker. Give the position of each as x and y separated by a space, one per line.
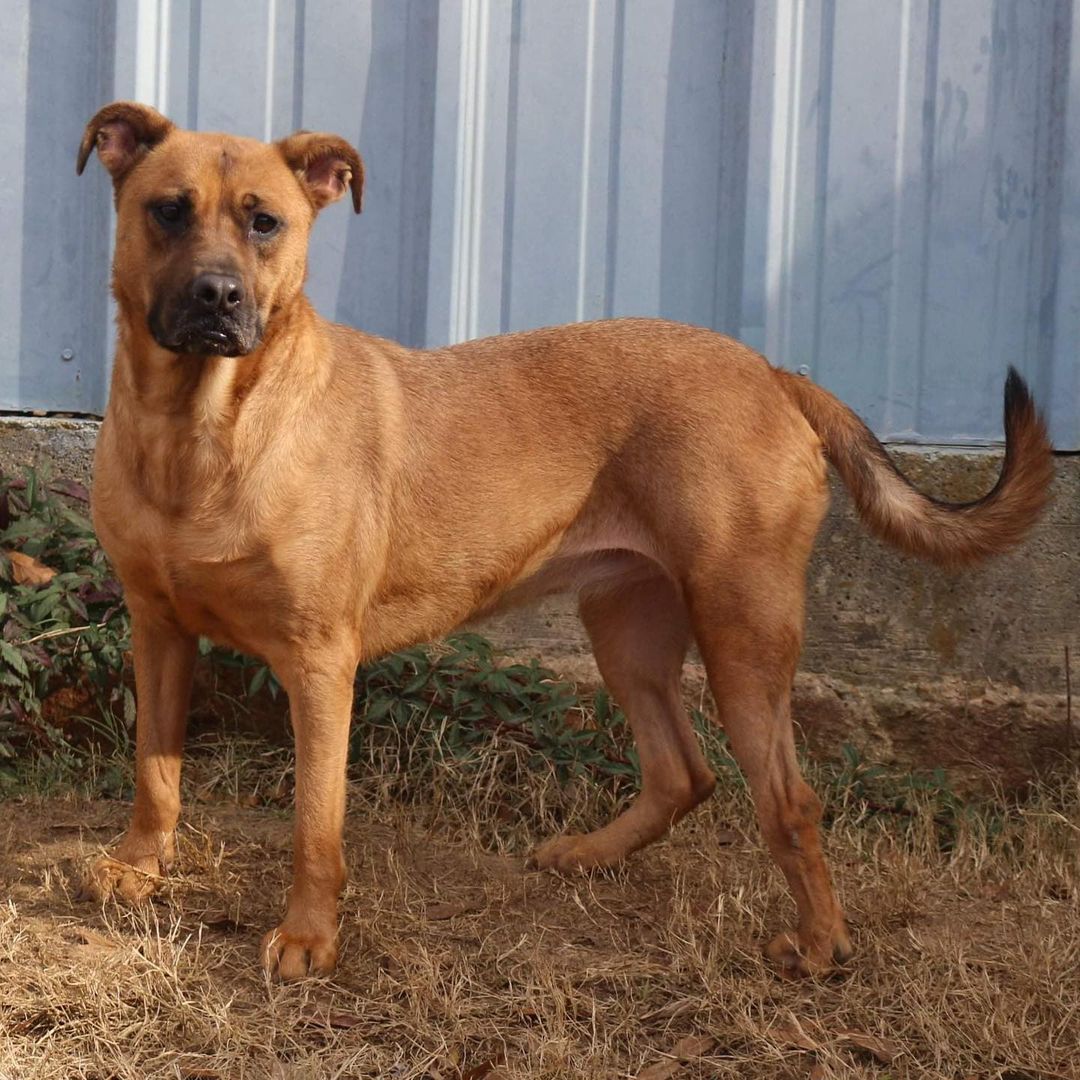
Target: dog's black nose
217 293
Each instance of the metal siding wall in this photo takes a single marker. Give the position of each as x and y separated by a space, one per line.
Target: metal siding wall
888 194
14 57
54 58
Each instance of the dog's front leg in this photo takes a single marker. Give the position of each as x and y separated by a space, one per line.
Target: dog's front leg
164 661
320 699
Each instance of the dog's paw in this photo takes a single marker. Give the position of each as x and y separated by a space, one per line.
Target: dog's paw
794 958
571 854
133 881
290 954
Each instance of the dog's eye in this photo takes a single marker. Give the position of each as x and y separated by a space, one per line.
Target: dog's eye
169 213
264 224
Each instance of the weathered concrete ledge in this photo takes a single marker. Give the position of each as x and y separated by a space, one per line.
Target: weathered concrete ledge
913 663
67 446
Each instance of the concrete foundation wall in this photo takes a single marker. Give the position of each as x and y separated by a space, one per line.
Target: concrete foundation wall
913 663
65 446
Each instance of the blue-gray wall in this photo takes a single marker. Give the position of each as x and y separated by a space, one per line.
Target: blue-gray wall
885 191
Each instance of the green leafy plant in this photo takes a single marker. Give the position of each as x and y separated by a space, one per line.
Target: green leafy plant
67 637
451 700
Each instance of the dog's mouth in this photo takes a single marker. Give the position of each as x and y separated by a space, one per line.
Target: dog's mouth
208 337
211 341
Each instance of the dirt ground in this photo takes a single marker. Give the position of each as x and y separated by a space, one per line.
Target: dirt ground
460 964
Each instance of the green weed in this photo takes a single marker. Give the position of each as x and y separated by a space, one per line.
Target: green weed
69 635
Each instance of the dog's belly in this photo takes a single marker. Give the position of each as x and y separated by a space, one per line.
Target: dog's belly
605 544
613 550
572 574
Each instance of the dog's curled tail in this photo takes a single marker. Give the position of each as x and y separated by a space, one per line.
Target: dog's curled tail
951 534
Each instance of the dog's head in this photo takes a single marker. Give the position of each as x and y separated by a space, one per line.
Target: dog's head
212 230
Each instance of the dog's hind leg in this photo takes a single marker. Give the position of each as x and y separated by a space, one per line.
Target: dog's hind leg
749 634
639 634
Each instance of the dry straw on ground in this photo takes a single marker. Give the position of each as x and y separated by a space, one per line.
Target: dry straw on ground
459 964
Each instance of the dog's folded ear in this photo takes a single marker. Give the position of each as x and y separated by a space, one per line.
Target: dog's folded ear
122 132
325 166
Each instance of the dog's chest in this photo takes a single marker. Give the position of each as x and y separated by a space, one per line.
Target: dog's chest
214 579
240 603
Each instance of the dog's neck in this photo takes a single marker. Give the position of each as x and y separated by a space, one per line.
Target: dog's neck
188 419
208 394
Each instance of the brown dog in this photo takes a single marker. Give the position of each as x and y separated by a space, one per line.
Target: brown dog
317 496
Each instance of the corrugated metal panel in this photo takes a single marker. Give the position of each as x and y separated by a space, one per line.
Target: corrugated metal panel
54 58
886 193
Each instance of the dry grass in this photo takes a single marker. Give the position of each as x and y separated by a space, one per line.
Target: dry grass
460 964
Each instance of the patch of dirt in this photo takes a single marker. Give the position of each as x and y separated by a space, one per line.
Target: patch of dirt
986 736
459 963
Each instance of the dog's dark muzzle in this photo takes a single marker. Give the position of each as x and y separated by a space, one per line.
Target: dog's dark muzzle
213 317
